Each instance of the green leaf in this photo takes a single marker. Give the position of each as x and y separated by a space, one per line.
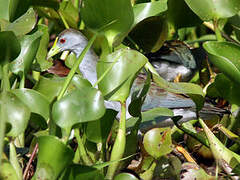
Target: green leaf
220 152
112 17
123 64
29 47
124 176
157 142
15 112
53 157
82 105
151 117
77 171
180 15
70 13
225 56
9 47
98 131
146 10
35 101
41 63
50 87
212 10
8 9
22 25
223 87
150 40
7 171
193 90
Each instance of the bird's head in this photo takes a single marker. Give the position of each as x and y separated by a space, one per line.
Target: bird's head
68 40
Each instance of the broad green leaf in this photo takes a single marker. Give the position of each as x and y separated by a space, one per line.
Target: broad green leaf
146 10
225 56
23 24
157 142
70 13
42 64
193 90
77 171
8 9
53 157
7 171
35 101
124 176
124 64
51 86
212 10
29 47
113 17
9 47
81 105
151 118
149 40
98 131
180 15
220 152
15 112
223 87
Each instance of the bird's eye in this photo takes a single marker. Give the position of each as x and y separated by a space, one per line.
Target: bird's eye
62 40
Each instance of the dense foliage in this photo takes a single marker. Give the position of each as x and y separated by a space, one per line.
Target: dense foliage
54 123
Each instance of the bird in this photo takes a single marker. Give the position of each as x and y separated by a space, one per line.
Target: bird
74 41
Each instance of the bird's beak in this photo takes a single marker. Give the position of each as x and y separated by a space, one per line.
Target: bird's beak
54 50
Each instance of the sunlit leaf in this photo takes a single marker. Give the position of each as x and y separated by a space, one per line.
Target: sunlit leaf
157 142
53 157
124 65
23 24
220 152
7 171
225 56
15 112
112 17
124 176
81 105
35 101
146 10
211 9
29 47
41 63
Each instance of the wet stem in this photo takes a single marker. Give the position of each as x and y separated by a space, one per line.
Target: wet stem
120 143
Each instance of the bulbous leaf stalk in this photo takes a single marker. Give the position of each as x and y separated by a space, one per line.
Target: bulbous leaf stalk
119 145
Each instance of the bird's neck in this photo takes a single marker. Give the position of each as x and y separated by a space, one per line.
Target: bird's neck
88 65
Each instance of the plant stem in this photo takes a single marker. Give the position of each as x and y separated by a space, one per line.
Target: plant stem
217 31
14 160
2 131
82 152
75 67
63 20
22 82
119 145
5 85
